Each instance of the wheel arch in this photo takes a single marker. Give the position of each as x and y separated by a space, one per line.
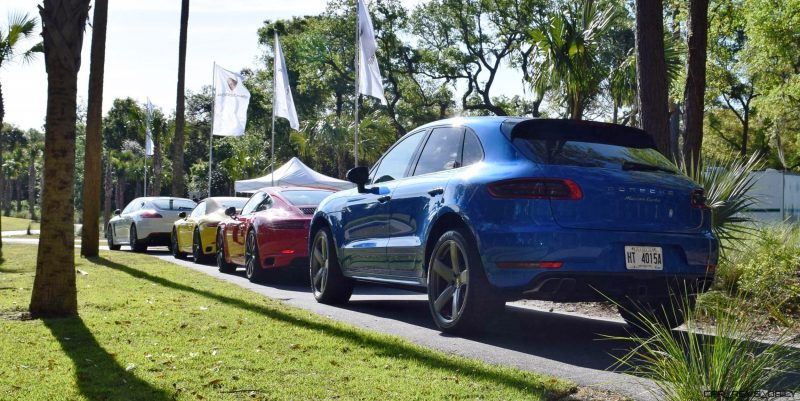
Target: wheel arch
319 221
445 221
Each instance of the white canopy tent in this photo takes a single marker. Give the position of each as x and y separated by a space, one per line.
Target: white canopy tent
294 172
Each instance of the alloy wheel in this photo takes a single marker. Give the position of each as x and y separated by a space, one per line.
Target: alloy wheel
449 275
250 260
319 264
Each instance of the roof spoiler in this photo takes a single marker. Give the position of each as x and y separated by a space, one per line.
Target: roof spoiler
579 131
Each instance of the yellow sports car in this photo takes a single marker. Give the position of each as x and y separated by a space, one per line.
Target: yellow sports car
196 233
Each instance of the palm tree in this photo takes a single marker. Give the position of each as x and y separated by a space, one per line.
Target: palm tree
651 72
566 57
20 27
90 234
178 183
54 293
696 79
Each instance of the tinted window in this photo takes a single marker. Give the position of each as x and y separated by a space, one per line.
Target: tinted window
581 143
394 164
265 204
473 152
199 210
174 204
441 151
305 198
251 205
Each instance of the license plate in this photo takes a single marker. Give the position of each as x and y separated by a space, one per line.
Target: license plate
644 258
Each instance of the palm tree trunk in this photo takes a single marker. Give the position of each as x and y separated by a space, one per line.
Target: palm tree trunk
178 184
651 72
108 190
156 187
54 293
694 93
32 187
18 190
90 234
2 173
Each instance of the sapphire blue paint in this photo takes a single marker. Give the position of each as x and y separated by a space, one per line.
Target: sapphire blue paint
383 236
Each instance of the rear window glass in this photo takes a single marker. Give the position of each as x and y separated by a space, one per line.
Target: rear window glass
600 145
305 198
174 204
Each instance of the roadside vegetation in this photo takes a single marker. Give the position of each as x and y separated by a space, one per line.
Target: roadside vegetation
152 330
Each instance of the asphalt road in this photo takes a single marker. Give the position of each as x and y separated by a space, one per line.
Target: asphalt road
566 346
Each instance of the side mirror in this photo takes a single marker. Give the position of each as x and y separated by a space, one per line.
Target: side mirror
359 176
117 212
230 212
182 215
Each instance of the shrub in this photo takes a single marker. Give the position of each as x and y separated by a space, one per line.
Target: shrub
692 366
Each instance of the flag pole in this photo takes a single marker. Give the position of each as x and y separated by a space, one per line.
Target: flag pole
211 132
145 171
274 90
358 50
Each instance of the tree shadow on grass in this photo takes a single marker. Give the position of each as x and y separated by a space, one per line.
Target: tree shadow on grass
381 346
98 375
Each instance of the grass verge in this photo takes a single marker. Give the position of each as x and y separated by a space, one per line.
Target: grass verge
16 224
151 330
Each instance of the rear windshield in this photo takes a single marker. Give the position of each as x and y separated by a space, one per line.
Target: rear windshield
586 145
305 198
174 204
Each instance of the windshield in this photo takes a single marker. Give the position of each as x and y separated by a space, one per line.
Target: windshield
174 204
305 198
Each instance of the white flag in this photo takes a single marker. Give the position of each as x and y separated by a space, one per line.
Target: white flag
230 103
370 82
148 142
284 103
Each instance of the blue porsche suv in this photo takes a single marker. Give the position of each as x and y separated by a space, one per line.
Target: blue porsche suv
479 211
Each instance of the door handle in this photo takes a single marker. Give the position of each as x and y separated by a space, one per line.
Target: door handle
436 191
384 199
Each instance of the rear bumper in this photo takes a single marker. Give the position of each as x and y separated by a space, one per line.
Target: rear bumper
585 287
592 261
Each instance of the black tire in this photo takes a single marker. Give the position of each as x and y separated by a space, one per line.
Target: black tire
173 247
328 284
110 239
253 269
460 298
197 249
133 239
668 312
222 265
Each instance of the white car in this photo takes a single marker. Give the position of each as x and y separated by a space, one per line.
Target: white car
145 221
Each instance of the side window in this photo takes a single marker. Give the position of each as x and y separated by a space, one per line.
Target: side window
199 210
394 164
473 151
250 206
264 204
131 206
442 151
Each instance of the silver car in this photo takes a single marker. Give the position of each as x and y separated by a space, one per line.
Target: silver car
145 221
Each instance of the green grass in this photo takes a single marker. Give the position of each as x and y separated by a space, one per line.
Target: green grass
16 224
152 330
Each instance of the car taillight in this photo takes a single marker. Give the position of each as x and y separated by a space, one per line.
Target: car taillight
211 225
698 198
536 188
149 214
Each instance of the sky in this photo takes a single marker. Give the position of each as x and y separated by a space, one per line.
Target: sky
142 51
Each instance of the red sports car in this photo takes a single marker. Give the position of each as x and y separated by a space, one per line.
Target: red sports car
270 232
